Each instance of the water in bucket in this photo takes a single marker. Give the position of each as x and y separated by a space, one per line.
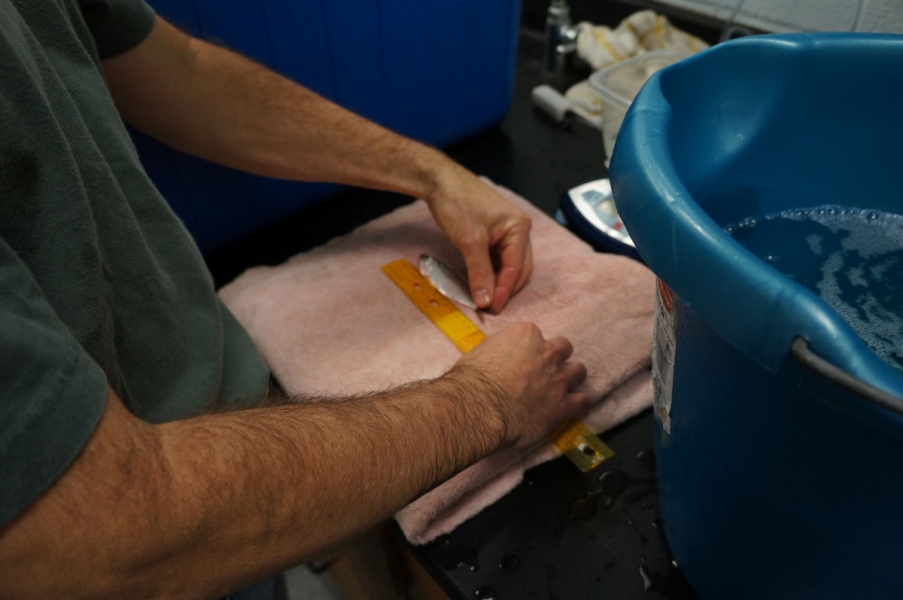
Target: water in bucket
851 258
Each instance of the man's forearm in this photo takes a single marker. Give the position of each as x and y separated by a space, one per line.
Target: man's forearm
298 480
205 506
201 507
213 103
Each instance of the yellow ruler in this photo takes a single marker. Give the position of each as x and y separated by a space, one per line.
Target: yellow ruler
574 439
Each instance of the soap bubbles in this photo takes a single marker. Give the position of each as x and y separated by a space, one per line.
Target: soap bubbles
851 258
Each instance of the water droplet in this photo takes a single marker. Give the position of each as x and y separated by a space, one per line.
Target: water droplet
648 583
509 562
485 592
647 459
453 558
581 509
612 483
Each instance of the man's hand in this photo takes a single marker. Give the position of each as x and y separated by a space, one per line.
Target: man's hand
531 379
487 229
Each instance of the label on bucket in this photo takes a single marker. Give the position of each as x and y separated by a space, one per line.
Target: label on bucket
664 343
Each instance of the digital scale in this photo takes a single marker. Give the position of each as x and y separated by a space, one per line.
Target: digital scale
589 211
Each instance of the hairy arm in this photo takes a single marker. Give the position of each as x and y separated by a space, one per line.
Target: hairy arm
213 103
208 101
205 506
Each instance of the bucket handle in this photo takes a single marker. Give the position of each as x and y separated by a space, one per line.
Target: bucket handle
800 351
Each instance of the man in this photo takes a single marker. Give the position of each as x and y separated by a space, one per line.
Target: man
113 481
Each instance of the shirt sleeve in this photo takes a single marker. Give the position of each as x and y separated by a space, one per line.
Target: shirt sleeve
117 26
52 394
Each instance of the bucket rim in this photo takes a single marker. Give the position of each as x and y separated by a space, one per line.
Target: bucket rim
706 267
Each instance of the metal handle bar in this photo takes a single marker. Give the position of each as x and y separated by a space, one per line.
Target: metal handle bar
800 351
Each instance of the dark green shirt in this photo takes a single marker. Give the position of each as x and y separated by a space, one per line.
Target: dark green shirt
100 284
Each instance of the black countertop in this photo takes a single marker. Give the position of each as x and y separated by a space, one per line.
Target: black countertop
567 535
562 534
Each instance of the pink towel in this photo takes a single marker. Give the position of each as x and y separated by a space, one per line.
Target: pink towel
330 322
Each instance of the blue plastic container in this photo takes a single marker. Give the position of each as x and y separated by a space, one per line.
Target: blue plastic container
775 482
434 71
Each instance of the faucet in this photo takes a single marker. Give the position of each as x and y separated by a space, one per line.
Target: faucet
561 36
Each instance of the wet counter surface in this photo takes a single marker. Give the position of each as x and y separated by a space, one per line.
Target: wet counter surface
562 534
567 535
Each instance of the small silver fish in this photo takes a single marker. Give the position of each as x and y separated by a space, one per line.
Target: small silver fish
444 280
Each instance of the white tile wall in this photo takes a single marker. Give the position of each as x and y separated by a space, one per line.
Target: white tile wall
804 15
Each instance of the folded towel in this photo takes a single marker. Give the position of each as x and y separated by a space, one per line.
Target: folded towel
642 31
330 322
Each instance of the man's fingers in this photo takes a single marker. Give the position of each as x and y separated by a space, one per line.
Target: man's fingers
574 374
527 269
574 407
513 252
479 273
502 289
561 348
580 401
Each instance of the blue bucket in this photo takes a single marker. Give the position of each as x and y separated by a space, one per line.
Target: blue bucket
779 432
